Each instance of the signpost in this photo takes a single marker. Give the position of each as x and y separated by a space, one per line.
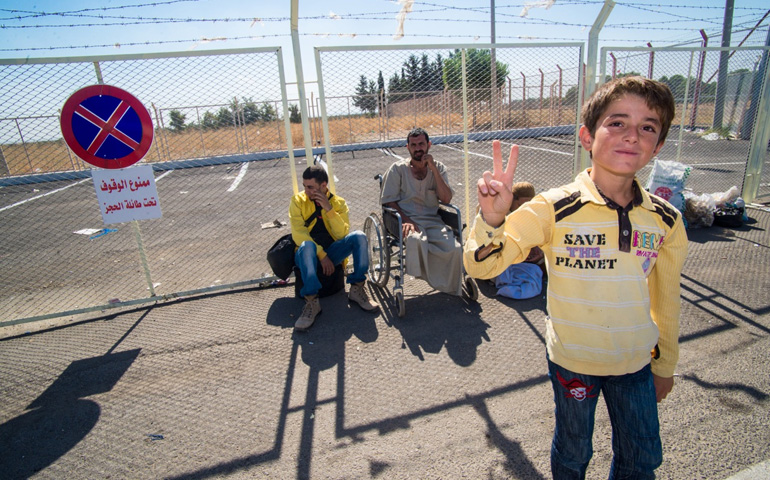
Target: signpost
109 128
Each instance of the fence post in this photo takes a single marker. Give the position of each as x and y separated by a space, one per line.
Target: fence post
4 169
551 100
287 122
759 140
523 98
540 107
593 45
684 109
24 144
698 80
465 131
614 65
98 70
161 137
651 65
235 124
561 86
736 98
277 124
590 74
325 123
200 130
350 123
301 82
724 57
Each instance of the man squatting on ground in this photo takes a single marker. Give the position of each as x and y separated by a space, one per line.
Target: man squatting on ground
614 255
320 226
414 188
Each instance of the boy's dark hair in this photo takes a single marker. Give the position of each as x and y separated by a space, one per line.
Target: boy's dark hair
316 172
522 189
656 95
416 132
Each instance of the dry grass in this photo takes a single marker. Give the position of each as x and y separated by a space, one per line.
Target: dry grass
53 156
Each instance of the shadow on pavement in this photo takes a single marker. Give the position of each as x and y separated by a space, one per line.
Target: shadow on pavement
60 417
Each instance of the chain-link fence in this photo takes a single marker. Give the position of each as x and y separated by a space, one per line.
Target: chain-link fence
515 93
214 113
222 123
715 130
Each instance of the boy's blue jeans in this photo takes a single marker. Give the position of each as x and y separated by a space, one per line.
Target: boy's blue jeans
633 412
306 260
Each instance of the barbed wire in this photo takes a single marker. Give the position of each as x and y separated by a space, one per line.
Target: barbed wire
253 20
358 16
117 7
432 8
204 40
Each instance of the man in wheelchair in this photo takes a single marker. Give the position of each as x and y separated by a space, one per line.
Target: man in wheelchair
414 188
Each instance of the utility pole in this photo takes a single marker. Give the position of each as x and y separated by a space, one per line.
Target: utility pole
493 66
724 56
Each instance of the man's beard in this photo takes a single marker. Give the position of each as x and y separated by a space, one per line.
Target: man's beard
418 156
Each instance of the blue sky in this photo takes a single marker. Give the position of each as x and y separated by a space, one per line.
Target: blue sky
56 28
141 26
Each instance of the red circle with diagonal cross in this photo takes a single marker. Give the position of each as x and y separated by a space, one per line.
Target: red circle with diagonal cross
106 126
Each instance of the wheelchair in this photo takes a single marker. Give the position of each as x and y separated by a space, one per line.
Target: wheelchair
387 249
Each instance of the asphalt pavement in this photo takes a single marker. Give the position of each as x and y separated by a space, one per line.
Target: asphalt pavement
219 385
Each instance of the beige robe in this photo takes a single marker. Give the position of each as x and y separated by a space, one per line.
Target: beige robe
433 254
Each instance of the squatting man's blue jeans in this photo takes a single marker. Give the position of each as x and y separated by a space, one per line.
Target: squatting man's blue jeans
633 412
306 260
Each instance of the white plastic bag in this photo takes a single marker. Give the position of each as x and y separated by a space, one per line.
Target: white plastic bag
723 198
699 210
667 182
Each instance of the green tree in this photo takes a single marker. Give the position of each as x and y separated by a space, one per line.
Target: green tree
479 73
209 121
267 113
176 120
366 95
411 72
570 98
380 92
294 114
249 109
225 117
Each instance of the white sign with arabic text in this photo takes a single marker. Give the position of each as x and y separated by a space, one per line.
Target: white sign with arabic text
126 194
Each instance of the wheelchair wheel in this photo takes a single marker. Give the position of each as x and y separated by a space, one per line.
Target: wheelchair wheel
471 289
400 303
379 251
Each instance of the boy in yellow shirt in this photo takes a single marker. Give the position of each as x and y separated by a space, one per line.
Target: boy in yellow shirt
614 255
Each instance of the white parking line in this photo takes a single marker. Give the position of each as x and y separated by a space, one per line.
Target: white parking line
541 149
508 143
240 176
169 171
43 195
59 190
712 164
460 150
389 153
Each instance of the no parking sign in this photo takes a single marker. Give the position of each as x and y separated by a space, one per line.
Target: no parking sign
110 128
106 126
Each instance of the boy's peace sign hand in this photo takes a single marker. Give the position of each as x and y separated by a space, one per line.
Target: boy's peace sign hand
494 188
